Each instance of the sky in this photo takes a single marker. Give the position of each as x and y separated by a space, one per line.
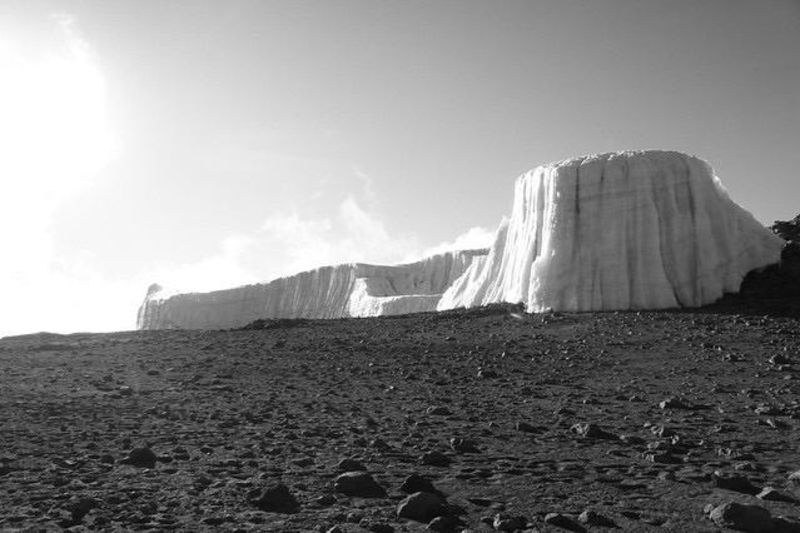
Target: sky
209 144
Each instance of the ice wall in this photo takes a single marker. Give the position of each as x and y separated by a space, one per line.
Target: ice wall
329 292
411 288
628 230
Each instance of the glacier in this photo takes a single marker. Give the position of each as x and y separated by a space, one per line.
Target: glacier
348 290
624 230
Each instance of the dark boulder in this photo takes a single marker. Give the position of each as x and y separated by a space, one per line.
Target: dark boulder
277 499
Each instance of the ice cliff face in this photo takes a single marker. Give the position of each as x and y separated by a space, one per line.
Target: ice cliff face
329 292
629 230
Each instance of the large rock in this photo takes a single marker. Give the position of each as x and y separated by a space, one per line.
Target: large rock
421 506
141 458
277 499
628 230
788 230
748 518
774 290
358 484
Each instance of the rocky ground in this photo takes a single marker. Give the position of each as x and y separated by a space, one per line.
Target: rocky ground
483 420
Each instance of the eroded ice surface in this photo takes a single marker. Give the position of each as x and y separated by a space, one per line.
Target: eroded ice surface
628 230
329 292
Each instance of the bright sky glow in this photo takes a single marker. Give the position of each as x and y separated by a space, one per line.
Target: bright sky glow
203 144
54 138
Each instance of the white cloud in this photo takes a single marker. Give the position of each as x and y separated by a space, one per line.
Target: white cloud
368 189
288 243
475 237
221 270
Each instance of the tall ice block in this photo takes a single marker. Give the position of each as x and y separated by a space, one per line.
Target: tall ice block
627 230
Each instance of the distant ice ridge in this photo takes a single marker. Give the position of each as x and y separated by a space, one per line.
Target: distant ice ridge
627 230
355 289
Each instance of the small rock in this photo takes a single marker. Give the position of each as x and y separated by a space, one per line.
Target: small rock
202 481
358 484
350 465
435 458
632 440
442 524
776 424
107 459
141 458
592 518
508 522
460 445
277 499
736 483
375 527
654 520
563 521
768 410
325 500
526 428
416 483
779 359
660 446
438 410
380 444
783 524
773 495
748 518
665 458
662 431
421 506
592 431
674 403
666 475
80 508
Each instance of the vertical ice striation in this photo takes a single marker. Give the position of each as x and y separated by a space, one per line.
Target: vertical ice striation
628 230
355 289
410 288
